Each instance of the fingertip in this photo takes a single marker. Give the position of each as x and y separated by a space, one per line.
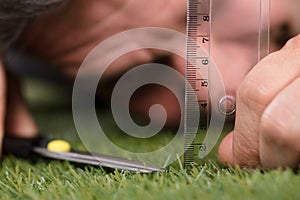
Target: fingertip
225 151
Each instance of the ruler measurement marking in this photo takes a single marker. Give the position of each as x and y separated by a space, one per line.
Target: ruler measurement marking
198 16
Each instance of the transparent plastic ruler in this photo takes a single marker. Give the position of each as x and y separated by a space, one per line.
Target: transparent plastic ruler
199 32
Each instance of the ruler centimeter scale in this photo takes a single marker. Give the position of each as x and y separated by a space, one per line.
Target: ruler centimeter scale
199 15
199 33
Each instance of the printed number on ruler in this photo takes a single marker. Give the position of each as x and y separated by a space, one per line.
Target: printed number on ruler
198 31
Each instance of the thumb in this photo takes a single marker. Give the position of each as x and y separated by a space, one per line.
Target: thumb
225 151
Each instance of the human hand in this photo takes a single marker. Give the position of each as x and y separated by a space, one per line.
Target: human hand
15 118
266 132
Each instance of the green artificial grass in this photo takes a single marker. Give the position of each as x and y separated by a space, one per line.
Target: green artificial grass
52 179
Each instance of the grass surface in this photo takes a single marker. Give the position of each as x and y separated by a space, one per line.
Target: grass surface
48 179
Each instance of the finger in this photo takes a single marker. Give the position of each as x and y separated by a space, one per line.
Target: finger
225 150
18 119
258 89
280 129
2 101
